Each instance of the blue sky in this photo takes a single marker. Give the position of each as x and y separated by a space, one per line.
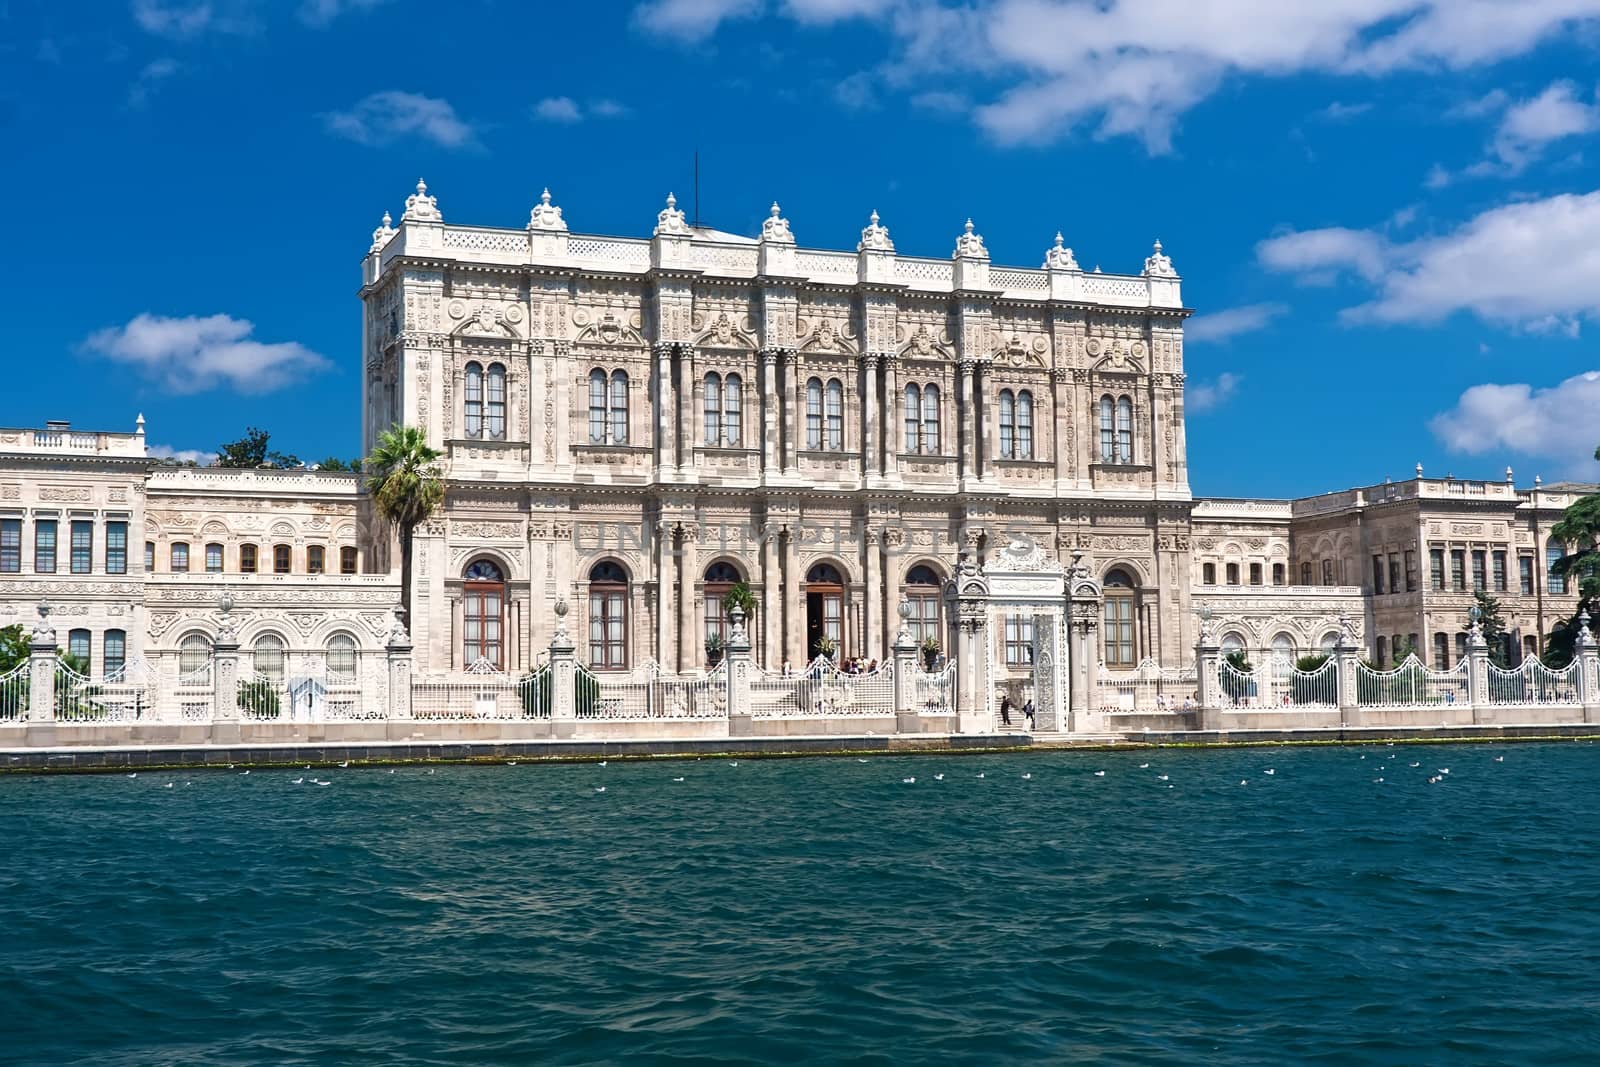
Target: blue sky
1386 212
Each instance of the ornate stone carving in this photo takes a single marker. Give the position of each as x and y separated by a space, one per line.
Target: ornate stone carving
874 238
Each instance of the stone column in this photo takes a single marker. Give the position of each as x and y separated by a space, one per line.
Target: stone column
1588 669
792 437
966 434
870 592
665 612
665 425
738 659
976 716
398 650
1478 674
563 678
892 540
905 670
1346 657
1207 660
225 677
794 607
771 445
685 410
42 669
688 643
771 606
1085 659
894 402
869 412
984 437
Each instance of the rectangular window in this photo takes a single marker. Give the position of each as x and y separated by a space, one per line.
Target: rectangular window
78 646
347 560
117 548
1525 574
116 651
607 630
315 556
180 558
1441 652
1394 574
1233 573
10 546
1458 569
1436 567
1119 647
1461 647
280 559
247 559
1279 574
1208 574
1377 575
1479 577
213 559
149 557
82 546
1019 640
835 417
1500 572
1255 574
1327 572
1411 571
44 546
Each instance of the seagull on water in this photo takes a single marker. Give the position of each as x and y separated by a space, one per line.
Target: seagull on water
1378 780
242 773
735 763
391 770
167 786
938 777
1499 759
1244 781
980 774
1144 766
330 782
677 779
1434 780
1162 777
908 781
1027 776
430 770
346 763
859 760
602 763
300 780
1269 770
600 789
1444 770
135 774
511 763
1099 774
1416 765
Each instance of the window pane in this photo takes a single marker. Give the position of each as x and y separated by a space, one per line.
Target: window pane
930 420
116 547
116 651
1007 422
619 408
732 416
347 560
1124 430
10 546
44 546
913 402
835 416
314 559
472 401
1024 425
713 409
597 406
180 558
213 559
247 559
1108 446
280 559
78 646
82 547
814 414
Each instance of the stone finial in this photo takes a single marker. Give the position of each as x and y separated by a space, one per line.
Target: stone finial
1419 470
1509 479
1059 256
875 238
545 215
1157 265
776 228
670 221
397 627
421 207
970 245
1586 638
381 235
1537 481
138 424
43 632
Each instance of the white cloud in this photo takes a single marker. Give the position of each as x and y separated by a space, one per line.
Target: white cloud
608 109
1317 255
144 86
390 115
196 456
196 353
1207 396
175 19
691 20
1555 423
564 109
1229 323
1527 127
856 92
320 13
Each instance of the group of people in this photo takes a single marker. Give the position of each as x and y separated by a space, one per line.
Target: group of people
852 665
1005 711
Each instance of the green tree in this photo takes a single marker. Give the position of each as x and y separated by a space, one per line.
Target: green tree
1402 648
252 450
1579 530
1493 627
406 488
334 463
13 647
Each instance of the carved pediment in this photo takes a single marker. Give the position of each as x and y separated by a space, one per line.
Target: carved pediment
1116 355
724 332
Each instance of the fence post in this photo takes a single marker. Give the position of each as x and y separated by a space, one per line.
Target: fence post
398 648
738 661
906 720
1207 658
1345 661
42 668
1588 669
563 678
1477 671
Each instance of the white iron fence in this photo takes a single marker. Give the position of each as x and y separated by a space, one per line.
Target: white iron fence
648 694
824 691
934 693
14 693
1534 683
482 692
1149 687
1411 684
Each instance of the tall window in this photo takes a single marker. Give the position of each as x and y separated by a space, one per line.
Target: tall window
824 593
1108 429
1305 573
116 651
78 647
1019 640
194 654
1394 573
835 412
116 548
341 658
267 658
149 557
82 546
1377 575
1383 650
1553 553
1279 574
1436 568
618 407
720 578
597 406
608 617
11 546
180 557
913 419
1458 569
1008 427
316 559
1411 570
1124 430
922 591
1255 574
608 407
814 414
1233 574
1208 574
281 556
1499 571
213 558
44 546
1479 577
494 421
713 395
1327 572
347 560
1024 424
1119 641
1461 647
472 401
1441 652
723 397
247 559
1525 574
930 419
1016 424
483 594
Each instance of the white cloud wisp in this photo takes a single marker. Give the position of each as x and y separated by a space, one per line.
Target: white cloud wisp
385 117
1555 423
196 353
1222 326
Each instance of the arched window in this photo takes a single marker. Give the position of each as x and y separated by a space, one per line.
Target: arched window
1108 429
1283 648
713 394
1554 552
1329 642
1231 643
732 411
835 415
281 557
1233 573
1208 574
597 406
348 558
1121 650
247 559
824 595
1305 573
608 617
116 651
213 558
341 658
495 411
1327 572
472 401
267 658
1024 425
930 419
619 407
1124 430
814 414
194 654
922 590
913 419
720 578
180 557
316 559
483 594
78 647
1008 423
1279 574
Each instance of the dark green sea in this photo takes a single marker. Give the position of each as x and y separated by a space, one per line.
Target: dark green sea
816 910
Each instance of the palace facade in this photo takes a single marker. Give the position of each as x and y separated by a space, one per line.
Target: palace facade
635 425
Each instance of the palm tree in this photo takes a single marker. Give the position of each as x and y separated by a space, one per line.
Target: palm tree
406 488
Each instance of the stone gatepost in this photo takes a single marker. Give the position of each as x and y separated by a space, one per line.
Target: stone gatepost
1588 669
42 669
1346 657
1207 662
739 663
906 720
563 678
1478 672
398 650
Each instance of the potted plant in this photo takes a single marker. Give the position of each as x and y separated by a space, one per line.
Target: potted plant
825 647
714 649
930 653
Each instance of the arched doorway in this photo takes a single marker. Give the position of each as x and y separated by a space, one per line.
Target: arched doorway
483 598
608 617
923 592
720 578
824 611
1121 648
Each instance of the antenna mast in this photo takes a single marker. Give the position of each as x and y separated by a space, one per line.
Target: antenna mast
697 188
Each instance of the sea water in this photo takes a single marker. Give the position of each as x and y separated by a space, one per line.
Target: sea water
1198 910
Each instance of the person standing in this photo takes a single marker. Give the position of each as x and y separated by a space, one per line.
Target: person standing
1027 712
1005 710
